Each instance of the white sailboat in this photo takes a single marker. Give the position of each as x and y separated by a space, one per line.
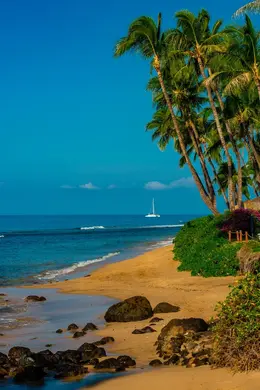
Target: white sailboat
152 214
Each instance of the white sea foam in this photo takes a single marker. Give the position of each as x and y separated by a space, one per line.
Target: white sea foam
53 274
163 226
91 227
162 243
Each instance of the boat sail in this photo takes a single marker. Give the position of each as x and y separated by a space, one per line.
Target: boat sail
152 214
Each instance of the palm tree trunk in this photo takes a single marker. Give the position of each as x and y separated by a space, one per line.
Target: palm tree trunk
236 151
221 135
195 175
195 141
217 180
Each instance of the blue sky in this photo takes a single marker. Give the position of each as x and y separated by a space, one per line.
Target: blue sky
72 118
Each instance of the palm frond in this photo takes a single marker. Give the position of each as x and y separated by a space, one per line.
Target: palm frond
253 6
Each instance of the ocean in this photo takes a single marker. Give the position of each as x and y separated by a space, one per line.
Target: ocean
37 249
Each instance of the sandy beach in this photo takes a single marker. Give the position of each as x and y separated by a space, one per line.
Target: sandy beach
154 274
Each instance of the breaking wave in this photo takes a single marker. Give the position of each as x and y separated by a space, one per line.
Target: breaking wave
48 275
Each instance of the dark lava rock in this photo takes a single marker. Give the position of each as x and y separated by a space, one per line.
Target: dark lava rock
35 298
93 362
91 351
67 370
16 354
59 331
69 356
132 309
104 340
173 360
126 361
165 307
120 369
90 326
156 319
147 329
108 364
155 363
167 341
72 327
1 334
3 295
79 334
29 374
4 361
45 359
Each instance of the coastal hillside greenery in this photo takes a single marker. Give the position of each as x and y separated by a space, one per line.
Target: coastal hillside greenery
237 330
203 249
205 85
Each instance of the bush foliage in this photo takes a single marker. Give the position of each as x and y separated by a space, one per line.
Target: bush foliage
203 248
237 332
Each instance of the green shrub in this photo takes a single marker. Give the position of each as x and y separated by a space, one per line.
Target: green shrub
204 250
237 331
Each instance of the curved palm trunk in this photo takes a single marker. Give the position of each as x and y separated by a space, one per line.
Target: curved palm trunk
236 151
221 135
195 141
195 175
218 181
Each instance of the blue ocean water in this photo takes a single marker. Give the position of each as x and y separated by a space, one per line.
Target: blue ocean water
43 248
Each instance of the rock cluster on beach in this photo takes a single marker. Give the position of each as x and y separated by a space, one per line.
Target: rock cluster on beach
132 309
186 342
25 366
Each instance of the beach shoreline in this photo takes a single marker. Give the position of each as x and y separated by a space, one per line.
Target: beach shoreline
154 275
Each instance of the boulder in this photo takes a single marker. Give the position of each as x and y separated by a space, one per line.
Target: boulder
174 359
29 374
67 370
249 261
45 359
132 309
155 363
16 354
72 327
93 362
168 344
91 351
35 298
69 356
155 320
126 361
104 340
90 326
165 307
59 331
108 364
4 361
146 329
79 334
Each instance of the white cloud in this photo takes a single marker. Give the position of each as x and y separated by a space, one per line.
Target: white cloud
111 187
67 187
184 182
89 186
155 185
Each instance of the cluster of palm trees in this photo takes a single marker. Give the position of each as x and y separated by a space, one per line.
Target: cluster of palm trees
205 84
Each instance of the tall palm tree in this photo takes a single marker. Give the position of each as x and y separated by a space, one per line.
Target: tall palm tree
145 37
253 6
195 41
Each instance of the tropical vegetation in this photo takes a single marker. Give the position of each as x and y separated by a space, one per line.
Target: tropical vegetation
203 249
252 6
205 85
237 330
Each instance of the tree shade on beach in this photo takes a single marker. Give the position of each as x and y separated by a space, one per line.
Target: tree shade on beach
205 85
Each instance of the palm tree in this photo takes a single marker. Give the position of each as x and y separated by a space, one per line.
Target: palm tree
196 41
253 6
145 37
